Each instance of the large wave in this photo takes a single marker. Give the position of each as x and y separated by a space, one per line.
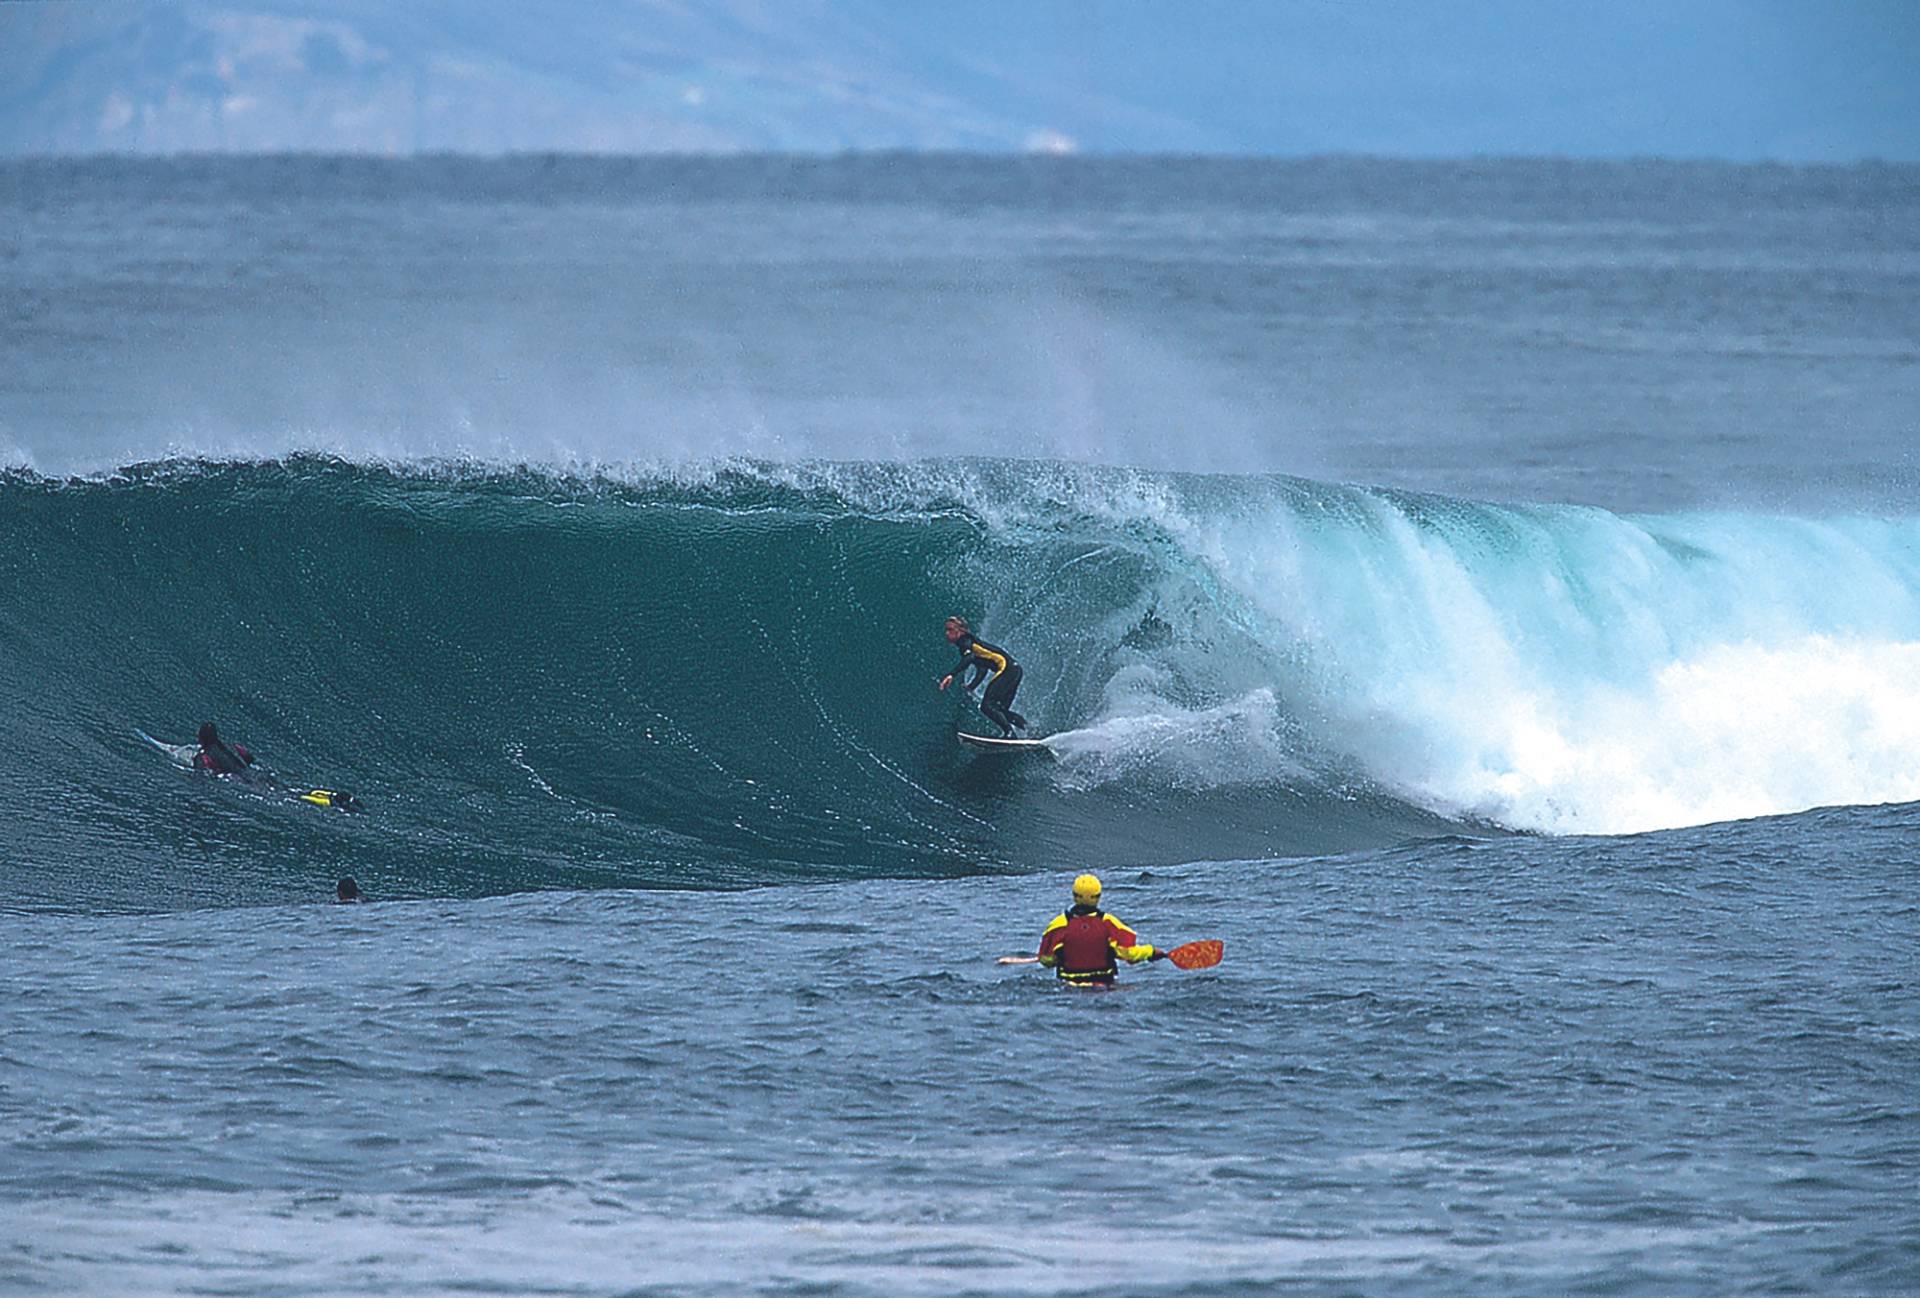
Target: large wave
725 676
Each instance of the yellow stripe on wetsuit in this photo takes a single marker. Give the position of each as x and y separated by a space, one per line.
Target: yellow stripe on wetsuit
996 661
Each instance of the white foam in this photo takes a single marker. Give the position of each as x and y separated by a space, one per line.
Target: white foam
1239 741
1739 730
1574 671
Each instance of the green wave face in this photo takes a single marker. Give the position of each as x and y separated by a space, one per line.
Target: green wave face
533 680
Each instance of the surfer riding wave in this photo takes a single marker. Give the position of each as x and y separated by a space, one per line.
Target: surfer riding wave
983 659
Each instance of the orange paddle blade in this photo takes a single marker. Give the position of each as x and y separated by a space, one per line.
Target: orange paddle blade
1198 955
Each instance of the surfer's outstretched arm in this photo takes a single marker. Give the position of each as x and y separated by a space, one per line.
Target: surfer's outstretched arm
978 668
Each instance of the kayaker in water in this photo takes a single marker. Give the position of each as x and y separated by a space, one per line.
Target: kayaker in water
981 658
1082 942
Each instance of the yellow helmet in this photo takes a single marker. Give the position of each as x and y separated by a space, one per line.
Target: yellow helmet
1086 890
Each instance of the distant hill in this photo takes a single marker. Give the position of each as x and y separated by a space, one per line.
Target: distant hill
370 76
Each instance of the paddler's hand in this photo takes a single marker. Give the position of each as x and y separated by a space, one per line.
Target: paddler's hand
1158 955
944 682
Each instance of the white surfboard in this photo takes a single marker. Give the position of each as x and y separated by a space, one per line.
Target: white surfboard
181 753
1004 745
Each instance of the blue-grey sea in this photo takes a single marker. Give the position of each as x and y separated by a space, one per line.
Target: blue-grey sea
1484 594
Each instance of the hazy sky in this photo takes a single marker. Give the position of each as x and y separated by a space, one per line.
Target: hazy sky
1796 79
1793 80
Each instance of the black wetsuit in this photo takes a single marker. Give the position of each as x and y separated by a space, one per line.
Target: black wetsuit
222 758
997 703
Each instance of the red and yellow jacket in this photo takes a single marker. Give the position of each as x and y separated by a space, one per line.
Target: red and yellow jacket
1082 943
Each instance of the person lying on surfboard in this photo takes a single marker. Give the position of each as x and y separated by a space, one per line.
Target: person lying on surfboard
982 658
219 756
1081 943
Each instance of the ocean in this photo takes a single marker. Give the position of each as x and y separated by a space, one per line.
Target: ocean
1485 594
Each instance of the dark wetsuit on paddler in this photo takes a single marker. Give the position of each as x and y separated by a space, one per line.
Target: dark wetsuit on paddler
219 756
981 658
1081 944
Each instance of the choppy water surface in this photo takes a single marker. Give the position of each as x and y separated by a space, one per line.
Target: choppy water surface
1676 1064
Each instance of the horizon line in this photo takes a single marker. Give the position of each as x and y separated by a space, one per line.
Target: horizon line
1041 157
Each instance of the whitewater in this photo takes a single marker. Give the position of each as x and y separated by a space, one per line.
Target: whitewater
1483 594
